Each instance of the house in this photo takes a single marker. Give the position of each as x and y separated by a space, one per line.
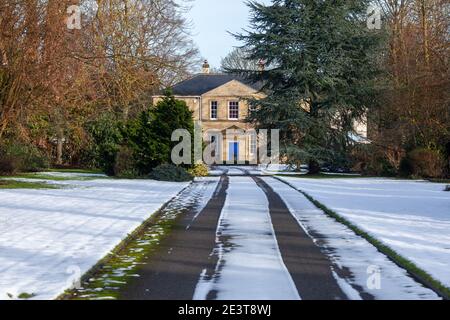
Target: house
218 102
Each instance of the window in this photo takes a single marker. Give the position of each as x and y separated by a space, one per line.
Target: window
213 112
233 113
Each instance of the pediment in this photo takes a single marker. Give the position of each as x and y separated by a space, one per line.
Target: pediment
232 88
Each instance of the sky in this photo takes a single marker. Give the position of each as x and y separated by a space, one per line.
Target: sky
212 20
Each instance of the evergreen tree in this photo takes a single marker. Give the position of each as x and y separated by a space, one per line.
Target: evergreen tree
150 135
322 60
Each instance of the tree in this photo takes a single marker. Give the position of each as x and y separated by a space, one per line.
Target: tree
238 60
53 80
150 135
415 112
107 136
322 60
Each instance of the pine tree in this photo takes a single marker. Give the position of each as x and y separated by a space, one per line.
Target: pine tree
322 62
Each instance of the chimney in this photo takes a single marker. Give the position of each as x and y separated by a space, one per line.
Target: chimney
205 67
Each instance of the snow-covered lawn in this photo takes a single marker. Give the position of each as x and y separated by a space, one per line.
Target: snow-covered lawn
250 265
350 252
412 217
48 238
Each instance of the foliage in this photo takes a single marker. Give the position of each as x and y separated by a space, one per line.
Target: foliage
16 156
199 170
13 184
321 76
52 82
373 160
237 60
106 136
422 162
149 136
170 172
415 110
124 165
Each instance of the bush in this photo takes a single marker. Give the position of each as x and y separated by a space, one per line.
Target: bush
169 172
9 165
18 157
106 140
372 160
124 166
422 162
406 168
199 170
313 167
34 161
150 135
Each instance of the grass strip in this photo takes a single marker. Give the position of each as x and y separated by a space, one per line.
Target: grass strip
14 184
416 272
50 177
84 171
102 280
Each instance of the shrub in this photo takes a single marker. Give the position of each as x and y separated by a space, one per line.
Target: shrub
373 160
169 172
35 160
19 157
106 139
124 166
406 168
199 170
314 167
150 135
447 188
9 165
423 162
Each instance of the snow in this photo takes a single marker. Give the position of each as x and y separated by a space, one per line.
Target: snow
258 170
49 238
203 193
73 175
350 252
250 266
411 217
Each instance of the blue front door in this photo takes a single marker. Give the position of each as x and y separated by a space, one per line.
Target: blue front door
233 151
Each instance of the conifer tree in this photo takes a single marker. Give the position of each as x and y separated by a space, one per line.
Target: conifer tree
322 60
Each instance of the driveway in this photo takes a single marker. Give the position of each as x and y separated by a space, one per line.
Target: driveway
258 238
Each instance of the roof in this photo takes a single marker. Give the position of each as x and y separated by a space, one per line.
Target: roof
205 82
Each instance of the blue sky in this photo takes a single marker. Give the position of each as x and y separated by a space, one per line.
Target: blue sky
212 19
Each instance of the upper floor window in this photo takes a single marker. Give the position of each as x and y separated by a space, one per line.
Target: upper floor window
233 113
213 111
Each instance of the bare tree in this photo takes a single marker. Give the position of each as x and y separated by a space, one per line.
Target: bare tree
60 78
238 60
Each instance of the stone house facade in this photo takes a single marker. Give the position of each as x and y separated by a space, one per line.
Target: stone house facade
218 103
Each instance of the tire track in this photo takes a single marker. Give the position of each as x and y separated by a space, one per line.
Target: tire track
309 267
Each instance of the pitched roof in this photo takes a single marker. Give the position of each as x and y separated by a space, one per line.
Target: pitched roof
205 82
